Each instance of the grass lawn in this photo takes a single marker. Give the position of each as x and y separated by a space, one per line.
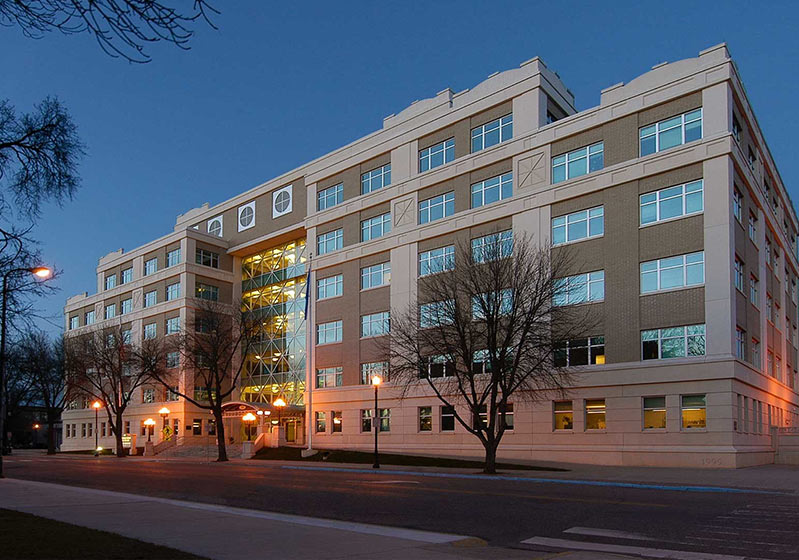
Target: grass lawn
25 536
340 456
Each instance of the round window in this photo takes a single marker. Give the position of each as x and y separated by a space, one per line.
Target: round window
215 228
246 216
282 201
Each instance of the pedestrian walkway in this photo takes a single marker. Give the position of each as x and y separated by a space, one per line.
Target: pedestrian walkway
221 532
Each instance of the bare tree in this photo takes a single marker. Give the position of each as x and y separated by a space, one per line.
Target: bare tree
122 27
484 331
16 393
106 365
211 348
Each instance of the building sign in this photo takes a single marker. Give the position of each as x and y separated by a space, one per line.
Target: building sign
126 441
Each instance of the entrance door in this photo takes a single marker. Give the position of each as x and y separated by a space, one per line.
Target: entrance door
291 430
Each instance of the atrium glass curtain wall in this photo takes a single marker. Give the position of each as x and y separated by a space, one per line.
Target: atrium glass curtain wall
273 286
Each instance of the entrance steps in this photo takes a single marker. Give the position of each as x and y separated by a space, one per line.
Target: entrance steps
200 450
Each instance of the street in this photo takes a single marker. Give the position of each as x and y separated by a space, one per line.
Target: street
506 511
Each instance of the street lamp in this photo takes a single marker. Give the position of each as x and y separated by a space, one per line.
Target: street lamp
249 418
42 273
279 403
96 406
376 381
149 423
164 412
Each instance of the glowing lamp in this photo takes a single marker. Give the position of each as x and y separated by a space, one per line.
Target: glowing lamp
96 404
376 380
42 272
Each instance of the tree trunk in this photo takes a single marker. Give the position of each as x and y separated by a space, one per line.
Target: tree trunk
220 435
491 458
51 432
118 435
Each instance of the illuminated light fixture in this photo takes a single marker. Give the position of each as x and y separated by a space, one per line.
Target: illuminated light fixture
337 420
96 404
99 448
36 426
600 359
376 380
42 272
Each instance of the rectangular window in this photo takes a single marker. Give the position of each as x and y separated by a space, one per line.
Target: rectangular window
385 419
321 422
754 291
770 363
756 353
737 205
672 202
580 352
376 324
127 336
673 272
172 360
329 377
173 325
126 276
694 412
740 343
207 258
330 241
563 415
206 291
110 311
329 287
172 396
83 430
376 179
654 413
89 318
492 133
335 419
488 304
148 395
578 225
366 419
492 190
437 366
673 342
327 333
436 313
329 197
173 291
372 228
437 207
447 419
110 281
436 155
752 157
197 427
736 128
581 288
493 246
739 275
150 298
126 305
375 275
370 369
579 162
671 132
74 323
150 331
151 266
753 228
769 308
595 414
437 260
507 418
173 257
425 418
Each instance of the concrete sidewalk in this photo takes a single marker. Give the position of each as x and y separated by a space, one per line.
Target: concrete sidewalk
220 532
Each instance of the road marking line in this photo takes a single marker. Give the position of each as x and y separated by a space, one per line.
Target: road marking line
386 481
637 550
612 533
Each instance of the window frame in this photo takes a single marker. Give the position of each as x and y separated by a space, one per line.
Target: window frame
447 258
323 240
567 220
503 124
427 207
659 199
369 321
566 159
331 376
573 283
336 328
447 150
657 131
380 224
654 408
684 337
323 285
503 187
381 270
659 270
370 178
336 192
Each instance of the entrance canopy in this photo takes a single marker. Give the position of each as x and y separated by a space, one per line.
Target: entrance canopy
237 409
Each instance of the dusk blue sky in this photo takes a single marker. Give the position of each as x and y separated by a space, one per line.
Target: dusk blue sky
278 85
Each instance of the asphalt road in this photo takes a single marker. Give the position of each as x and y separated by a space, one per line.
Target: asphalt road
503 512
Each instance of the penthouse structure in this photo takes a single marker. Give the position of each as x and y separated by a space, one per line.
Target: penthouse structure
666 192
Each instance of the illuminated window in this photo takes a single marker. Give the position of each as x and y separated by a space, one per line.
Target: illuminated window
206 292
425 418
694 412
335 421
321 422
595 414
654 413
563 415
385 419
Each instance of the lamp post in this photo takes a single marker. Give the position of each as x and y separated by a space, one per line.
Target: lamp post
164 412
149 423
279 403
96 406
249 418
376 381
42 273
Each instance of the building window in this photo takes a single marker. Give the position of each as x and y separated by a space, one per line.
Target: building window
126 306
150 298
83 430
753 228
329 287
756 353
173 257
375 275
754 291
487 304
127 336
694 412
507 418
89 318
581 288
739 275
150 331
173 396
595 414
769 308
376 324
335 419
151 266
768 252
321 422
436 313
673 342
110 311
492 133
148 395
671 132
770 363
437 207
447 419
736 128
330 241
173 325
206 292
673 272
493 246
492 190
370 369
752 157
579 162
376 179
578 225
654 413
673 202
563 415
436 155
327 333
173 291
437 366
126 276
329 197
425 418
375 227
437 260
172 360
737 205
328 377
110 281
366 419
74 323
197 427
740 343
207 258
385 419
580 352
